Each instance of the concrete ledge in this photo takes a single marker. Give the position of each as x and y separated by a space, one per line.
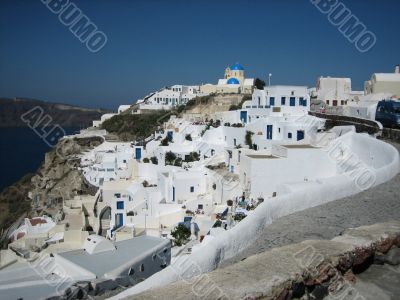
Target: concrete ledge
284 273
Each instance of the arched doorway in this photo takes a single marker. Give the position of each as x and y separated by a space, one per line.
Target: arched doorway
105 219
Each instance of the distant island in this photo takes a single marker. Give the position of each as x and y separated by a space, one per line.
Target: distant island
64 115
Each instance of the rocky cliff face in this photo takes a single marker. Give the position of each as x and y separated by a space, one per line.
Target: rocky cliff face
58 178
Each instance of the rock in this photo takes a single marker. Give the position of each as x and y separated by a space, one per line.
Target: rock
320 292
83 285
125 281
102 285
393 256
379 259
298 290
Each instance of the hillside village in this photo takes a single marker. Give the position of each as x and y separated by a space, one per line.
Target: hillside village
195 183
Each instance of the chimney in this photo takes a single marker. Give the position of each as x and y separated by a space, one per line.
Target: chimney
397 69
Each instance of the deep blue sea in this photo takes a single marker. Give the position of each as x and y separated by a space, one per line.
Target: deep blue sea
21 152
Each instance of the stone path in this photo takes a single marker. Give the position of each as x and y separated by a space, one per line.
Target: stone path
380 204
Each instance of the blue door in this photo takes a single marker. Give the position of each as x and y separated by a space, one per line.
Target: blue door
292 101
272 101
243 116
269 132
300 135
170 135
138 153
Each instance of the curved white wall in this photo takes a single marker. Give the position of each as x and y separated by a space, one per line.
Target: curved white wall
207 257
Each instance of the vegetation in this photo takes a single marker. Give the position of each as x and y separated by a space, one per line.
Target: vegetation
234 107
170 158
181 235
249 139
14 201
218 223
188 137
129 127
239 217
146 160
164 142
259 84
154 160
193 156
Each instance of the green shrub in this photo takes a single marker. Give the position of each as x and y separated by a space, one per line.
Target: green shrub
154 160
181 235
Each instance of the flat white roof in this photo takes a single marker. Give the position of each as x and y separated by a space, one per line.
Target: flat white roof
105 262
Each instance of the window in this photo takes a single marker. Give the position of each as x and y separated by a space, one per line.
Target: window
117 195
301 99
292 101
292 93
283 100
342 102
279 130
200 206
154 256
271 101
142 268
327 102
334 102
131 271
234 142
289 135
192 189
120 204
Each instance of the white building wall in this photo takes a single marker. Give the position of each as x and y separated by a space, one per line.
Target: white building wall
301 165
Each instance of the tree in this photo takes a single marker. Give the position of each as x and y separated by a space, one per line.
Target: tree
146 160
164 142
188 137
154 160
259 84
170 157
181 235
249 139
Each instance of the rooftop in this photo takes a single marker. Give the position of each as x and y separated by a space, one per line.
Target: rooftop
104 262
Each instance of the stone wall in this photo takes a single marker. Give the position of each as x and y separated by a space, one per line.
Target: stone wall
308 270
362 125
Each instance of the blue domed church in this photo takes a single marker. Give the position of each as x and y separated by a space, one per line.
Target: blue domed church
234 82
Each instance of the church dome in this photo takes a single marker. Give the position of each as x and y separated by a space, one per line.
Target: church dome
237 67
233 81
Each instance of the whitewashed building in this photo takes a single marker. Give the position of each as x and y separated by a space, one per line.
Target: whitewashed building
384 83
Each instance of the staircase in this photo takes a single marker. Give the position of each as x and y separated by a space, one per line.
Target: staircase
104 226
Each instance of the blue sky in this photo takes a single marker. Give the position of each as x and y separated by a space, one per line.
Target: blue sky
155 43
